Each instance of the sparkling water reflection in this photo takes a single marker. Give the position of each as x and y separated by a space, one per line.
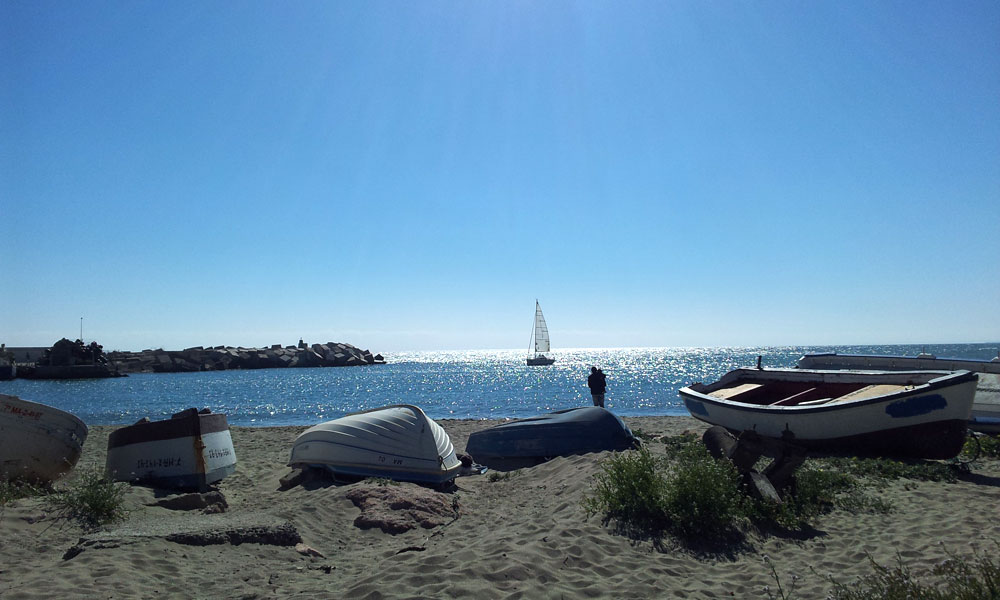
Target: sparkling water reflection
479 384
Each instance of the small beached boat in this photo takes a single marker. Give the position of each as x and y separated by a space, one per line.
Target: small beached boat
37 442
920 414
396 442
985 416
540 340
561 433
189 450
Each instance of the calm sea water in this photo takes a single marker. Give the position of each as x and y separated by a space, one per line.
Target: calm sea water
479 384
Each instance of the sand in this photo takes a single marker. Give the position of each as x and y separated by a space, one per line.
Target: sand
523 537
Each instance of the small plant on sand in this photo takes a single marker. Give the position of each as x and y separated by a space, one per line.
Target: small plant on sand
889 469
496 476
676 444
780 589
978 446
990 446
382 481
92 499
14 490
642 435
956 579
819 490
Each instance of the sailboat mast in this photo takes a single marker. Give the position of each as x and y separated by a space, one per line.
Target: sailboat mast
534 328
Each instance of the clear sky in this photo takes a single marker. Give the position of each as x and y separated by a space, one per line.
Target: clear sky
413 175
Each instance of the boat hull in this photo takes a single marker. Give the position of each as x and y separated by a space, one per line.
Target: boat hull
562 433
539 361
985 415
924 420
190 450
395 442
37 442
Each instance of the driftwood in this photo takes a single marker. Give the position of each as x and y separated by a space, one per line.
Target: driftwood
745 451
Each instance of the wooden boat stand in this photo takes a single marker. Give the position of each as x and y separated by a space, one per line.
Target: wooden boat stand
747 449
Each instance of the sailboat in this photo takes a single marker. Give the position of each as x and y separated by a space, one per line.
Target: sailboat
540 340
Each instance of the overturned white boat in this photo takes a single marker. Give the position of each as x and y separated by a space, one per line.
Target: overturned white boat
37 442
396 442
189 450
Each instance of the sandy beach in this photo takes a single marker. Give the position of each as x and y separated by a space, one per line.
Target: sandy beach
525 536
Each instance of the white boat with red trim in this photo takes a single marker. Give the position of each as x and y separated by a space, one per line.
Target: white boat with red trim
37 442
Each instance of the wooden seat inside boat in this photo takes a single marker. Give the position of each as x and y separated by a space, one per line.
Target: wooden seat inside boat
730 393
870 391
801 393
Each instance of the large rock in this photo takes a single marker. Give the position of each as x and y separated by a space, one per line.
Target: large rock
199 358
399 508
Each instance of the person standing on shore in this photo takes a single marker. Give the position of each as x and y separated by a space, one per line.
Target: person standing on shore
597 383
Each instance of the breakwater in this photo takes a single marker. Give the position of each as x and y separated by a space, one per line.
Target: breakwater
225 358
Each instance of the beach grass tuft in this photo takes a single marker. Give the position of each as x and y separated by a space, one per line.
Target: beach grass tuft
92 499
887 469
953 579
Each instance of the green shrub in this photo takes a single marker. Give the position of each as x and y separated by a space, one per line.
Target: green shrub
698 497
702 496
92 499
695 496
631 489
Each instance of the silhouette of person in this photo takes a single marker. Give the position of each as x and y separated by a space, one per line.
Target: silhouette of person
597 383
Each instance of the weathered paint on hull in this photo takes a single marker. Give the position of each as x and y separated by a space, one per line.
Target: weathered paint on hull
181 453
37 442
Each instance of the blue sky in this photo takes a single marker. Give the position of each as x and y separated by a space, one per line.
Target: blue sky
408 176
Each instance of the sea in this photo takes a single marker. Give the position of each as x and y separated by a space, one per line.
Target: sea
474 384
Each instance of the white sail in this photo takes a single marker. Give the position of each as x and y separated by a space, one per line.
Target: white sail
541 331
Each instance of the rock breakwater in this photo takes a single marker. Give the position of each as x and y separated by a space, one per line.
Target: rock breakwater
223 358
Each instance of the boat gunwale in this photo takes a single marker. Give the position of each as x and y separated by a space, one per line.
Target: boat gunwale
947 380
43 408
181 427
359 448
975 364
